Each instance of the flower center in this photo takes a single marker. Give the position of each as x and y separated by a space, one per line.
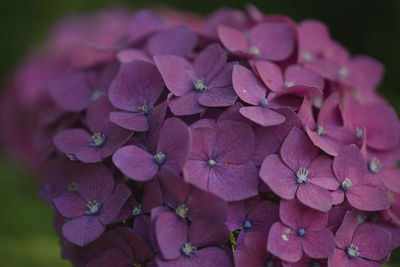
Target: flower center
98 140
200 86
302 175
211 162
343 72
138 264
247 224
160 158
307 56
73 187
352 251
254 50
144 110
359 133
264 103
288 84
346 184
301 232
187 249
320 130
182 211
93 207
374 165
270 263
137 210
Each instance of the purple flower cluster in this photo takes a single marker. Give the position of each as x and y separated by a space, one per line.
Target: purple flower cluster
238 139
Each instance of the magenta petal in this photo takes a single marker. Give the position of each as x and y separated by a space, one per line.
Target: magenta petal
210 256
83 230
313 36
174 190
203 143
299 75
224 77
337 196
263 215
179 40
73 140
131 54
181 261
340 258
349 163
71 92
235 142
344 235
368 197
298 151
135 163
247 86
89 155
321 173
177 72
284 243
186 105
205 204
232 39
275 41
292 212
267 142
131 121
174 142
366 72
209 62
113 205
171 234
314 220
319 245
262 116
314 197
391 178
372 241
233 181
271 75
278 177
144 23
70 206
218 97
205 232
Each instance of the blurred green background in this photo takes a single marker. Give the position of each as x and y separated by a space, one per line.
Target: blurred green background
27 237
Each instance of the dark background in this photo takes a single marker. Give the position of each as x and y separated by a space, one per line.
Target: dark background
27 237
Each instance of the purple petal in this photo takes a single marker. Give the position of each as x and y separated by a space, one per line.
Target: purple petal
321 173
344 235
203 143
275 41
233 181
130 121
365 72
291 213
175 144
210 256
186 105
209 62
313 36
235 142
263 215
299 75
218 97
97 183
135 163
71 92
262 116
350 164
71 141
70 206
224 77
196 172
232 39
171 234
131 54
297 151
368 197
314 220
314 197
175 190
143 24
179 40
267 142
205 204
204 232
98 114
113 205
278 177
372 241
137 83
247 86
319 245
83 230
271 75
284 243
177 72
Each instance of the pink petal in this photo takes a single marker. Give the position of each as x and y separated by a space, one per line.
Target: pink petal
247 86
321 173
284 243
368 197
262 115
299 75
314 197
350 164
271 75
319 245
232 39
